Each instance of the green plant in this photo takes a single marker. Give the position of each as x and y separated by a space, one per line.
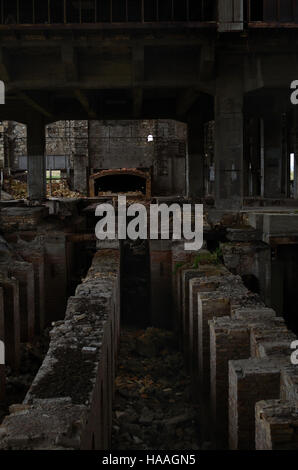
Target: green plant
177 266
219 255
208 258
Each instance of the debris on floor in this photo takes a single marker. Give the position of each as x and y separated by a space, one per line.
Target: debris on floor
18 189
152 408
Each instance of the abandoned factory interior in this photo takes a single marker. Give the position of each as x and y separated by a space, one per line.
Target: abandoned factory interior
138 343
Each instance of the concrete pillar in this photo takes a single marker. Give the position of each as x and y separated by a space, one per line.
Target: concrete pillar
230 339
273 155
276 425
180 258
36 159
195 157
250 381
81 157
186 277
209 307
196 286
229 135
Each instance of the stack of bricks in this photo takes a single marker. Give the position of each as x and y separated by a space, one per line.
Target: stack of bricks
17 307
238 353
69 404
21 218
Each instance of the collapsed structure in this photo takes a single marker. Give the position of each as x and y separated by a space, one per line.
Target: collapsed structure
181 101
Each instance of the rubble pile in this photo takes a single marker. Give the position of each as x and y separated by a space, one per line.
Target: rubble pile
60 189
57 189
16 188
153 409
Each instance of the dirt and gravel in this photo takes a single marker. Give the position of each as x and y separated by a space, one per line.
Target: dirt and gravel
153 408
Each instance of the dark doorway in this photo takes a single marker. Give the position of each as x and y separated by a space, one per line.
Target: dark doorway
284 284
120 184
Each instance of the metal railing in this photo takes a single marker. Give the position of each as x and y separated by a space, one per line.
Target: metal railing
48 12
272 11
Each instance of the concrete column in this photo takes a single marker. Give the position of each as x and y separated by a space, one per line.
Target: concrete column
36 159
195 182
273 155
229 135
250 381
276 425
81 157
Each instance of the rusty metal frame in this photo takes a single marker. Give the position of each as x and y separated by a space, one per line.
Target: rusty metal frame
120 171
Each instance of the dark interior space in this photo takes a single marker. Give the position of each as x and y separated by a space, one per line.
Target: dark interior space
82 255
135 283
288 254
256 10
120 184
251 282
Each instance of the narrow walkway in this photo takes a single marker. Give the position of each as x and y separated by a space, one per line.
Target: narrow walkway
152 408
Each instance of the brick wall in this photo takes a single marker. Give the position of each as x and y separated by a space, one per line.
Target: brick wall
238 356
69 405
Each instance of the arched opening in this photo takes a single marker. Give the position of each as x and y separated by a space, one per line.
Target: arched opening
120 184
113 182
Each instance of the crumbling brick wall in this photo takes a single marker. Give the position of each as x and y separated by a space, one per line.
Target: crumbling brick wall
245 360
90 146
69 405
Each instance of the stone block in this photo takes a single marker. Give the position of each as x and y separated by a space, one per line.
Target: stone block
250 381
